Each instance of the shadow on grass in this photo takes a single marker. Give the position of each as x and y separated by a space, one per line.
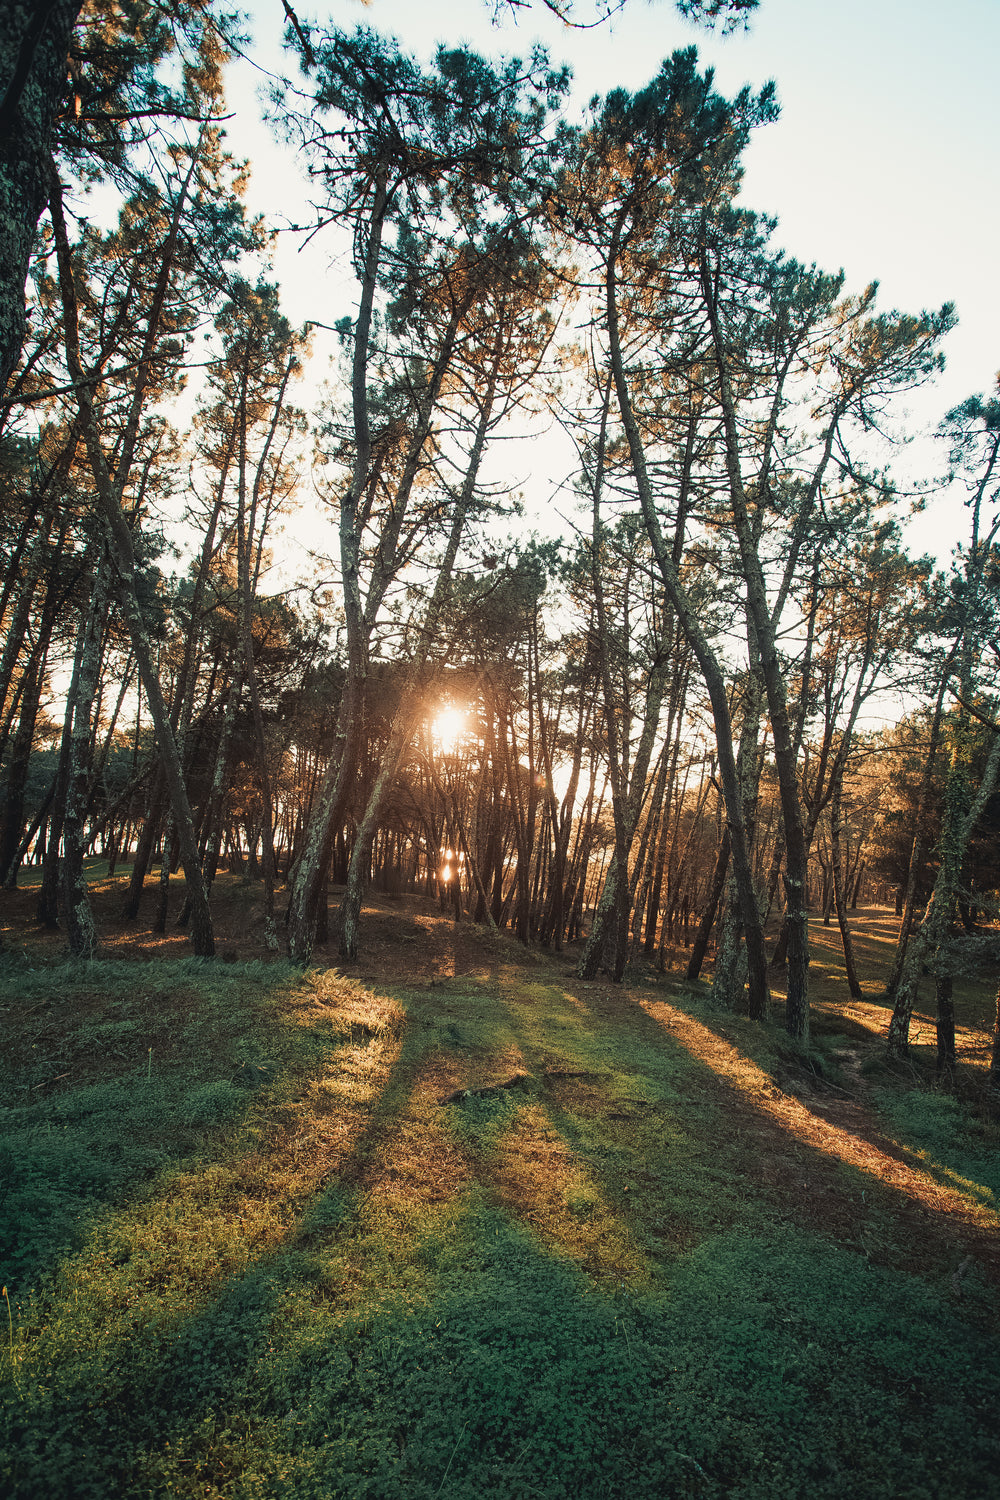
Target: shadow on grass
653 1091
122 1070
932 1133
402 1300
761 1369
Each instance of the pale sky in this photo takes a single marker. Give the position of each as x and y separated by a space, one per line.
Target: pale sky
884 161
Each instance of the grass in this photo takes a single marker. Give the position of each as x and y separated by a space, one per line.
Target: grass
493 1231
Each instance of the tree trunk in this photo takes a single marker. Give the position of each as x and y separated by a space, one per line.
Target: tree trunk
34 42
836 858
359 869
122 555
80 928
945 1027
18 768
244 538
993 1080
962 810
708 664
144 848
700 946
906 909
308 878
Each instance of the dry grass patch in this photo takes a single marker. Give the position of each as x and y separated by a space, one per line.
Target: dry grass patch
419 1162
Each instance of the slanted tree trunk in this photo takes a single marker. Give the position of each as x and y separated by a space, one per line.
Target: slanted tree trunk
122 553
700 945
406 715
34 43
47 908
728 975
308 877
44 560
81 930
12 797
762 621
918 847
359 869
144 847
607 943
706 658
245 527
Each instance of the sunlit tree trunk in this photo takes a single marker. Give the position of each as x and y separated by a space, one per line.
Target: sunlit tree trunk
707 661
245 530
763 626
308 879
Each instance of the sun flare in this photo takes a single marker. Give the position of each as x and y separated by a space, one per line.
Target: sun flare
448 729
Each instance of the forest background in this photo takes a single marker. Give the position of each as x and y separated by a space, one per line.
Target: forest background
607 619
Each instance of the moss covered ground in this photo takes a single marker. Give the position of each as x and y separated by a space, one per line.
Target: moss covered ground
452 1223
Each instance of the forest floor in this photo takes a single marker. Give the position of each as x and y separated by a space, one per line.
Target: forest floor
450 1222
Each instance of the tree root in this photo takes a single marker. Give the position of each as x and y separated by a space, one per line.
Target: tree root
521 1081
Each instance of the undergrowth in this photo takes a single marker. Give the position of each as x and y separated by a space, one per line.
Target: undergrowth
274 1236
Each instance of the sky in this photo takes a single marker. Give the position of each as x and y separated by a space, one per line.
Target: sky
884 162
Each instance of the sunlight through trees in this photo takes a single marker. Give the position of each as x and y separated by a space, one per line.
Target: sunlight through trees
726 699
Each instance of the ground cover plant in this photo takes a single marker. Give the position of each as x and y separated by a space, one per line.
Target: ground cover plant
456 1222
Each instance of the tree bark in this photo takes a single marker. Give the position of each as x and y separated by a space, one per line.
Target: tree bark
836 860
918 846
945 1026
34 43
330 800
81 930
760 614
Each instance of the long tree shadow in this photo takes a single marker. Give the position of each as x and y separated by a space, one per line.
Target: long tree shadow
408 1324
764 1366
118 1073
880 1197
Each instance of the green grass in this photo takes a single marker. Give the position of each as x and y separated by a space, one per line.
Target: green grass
164 1052
264 1259
954 1141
